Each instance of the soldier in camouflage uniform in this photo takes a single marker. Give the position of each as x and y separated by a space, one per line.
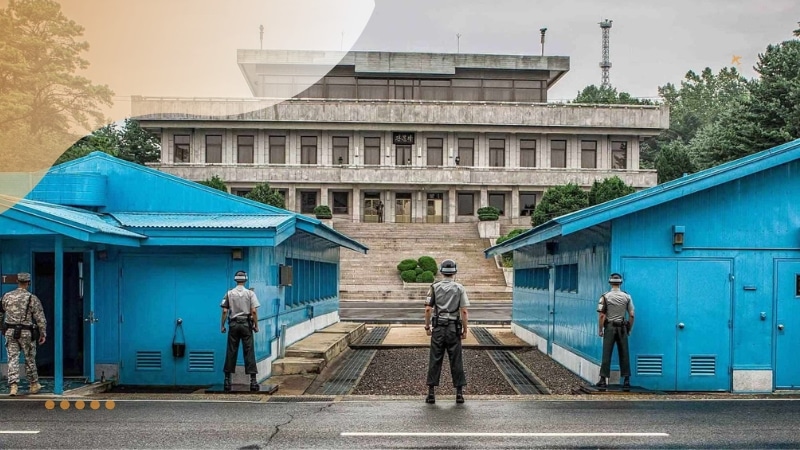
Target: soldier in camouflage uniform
12 308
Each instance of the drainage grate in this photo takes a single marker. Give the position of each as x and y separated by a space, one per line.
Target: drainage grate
375 336
346 376
300 399
515 372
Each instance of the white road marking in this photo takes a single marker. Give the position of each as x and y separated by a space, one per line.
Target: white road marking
466 434
19 432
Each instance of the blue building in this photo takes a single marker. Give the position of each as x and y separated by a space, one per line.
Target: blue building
127 259
712 261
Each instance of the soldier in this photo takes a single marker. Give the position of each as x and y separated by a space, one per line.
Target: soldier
20 309
614 329
241 304
447 305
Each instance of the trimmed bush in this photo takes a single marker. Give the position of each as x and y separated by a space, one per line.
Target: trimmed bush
488 213
425 277
323 212
407 264
409 276
418 270
428 264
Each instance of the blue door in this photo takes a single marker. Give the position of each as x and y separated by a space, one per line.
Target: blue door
787 326
172 298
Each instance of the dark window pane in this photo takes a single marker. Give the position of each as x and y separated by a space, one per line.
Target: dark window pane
182 148
589 154
277 149
308 150
340 203
499 202
558 154
245 150
308 201
403 155
497 152
435 151
341 146
465 204
213 149
527 153
466 152
619 155
527 203
372 151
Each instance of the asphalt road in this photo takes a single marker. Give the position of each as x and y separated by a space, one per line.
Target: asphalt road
405 424
487 313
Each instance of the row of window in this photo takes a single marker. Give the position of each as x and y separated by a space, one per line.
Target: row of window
566 278
323 284
465 156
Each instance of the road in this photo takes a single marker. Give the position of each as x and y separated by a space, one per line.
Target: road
487 313
405 424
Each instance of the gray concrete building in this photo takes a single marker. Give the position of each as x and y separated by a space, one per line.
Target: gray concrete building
432 137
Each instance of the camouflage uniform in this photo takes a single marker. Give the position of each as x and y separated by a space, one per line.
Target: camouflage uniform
14 304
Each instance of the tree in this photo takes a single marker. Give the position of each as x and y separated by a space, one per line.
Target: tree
608 95
673 162
131 143
43 100
559 200
215 182
608 189
264 194
104 139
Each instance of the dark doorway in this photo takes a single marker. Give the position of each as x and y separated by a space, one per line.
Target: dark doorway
43 286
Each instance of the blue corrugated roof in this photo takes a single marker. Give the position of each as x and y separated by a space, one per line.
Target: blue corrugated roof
86 220
201 220
656 195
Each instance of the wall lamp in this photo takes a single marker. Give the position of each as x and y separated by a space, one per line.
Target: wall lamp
237 254
677 237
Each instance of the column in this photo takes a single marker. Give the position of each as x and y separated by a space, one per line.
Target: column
58 317
323 197
291 198
634 154
452 203
484 197
514 213
356 209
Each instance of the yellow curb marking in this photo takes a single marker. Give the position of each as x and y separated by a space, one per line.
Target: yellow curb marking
80 404
95 404
64 404
49 404
110 404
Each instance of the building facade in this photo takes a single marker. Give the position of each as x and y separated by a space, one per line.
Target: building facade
430 137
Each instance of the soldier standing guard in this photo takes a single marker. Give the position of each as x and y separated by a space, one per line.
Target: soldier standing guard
447 306
241 304
20 309
614 329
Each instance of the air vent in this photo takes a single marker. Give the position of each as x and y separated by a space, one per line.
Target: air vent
201 361
703 365
649 365
148 360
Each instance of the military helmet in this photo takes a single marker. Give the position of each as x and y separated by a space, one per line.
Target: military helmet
448 267
241 276
23 277
615 278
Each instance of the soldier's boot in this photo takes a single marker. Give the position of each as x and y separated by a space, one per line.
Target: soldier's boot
226 385
459 395
431 398
35 388
254 386
602 383
13 389
626 384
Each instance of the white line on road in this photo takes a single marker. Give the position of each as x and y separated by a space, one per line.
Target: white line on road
19 432
435 434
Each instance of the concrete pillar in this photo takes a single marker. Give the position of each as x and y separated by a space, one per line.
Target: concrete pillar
291 199
484 197
634 153
356 202
324 197
512 144
514 213
292 148
452 203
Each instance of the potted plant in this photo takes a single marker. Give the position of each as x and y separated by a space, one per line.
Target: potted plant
323 212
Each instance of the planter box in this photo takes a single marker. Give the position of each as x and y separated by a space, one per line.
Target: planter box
489 229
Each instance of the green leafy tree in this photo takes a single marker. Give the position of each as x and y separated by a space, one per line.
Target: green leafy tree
608 95
131 143
559 200
215 182
104 139
43 97
264 194
673 162
608 189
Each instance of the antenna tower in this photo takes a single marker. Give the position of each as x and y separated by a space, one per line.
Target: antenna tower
605 64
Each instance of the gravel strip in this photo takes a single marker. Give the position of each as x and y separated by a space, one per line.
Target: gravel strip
403 372
556 377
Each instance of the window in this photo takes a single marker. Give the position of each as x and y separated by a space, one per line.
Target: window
182 148
532 278
341 146
373 88
277 149
466 152
466 204
589 154
497 152
558 154
527 153
241 192
567 278
341 87
308 150
213 149
434 89
308 201
340 203
528 91
435 151
498 201
527 203
403 89
372 151
467 90
498 90
245 147
619 155
403 155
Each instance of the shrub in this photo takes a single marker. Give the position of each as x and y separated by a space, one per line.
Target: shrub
264 194
407 264
508 257
425 277
409 276
488 213
418 270
322 212
428 264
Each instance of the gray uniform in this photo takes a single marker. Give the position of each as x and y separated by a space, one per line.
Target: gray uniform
14 304
615 304
239 302
447 298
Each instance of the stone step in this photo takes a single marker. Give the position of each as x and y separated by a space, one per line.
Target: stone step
297 365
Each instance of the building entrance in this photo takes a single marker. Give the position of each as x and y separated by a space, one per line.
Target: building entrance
402 208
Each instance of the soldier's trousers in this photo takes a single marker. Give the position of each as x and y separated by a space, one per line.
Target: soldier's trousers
239 331
28 348
615 335
445 338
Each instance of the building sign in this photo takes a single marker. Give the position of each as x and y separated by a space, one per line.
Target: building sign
404 138
9 279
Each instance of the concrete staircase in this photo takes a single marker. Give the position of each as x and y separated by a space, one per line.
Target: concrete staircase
374 276
312 353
